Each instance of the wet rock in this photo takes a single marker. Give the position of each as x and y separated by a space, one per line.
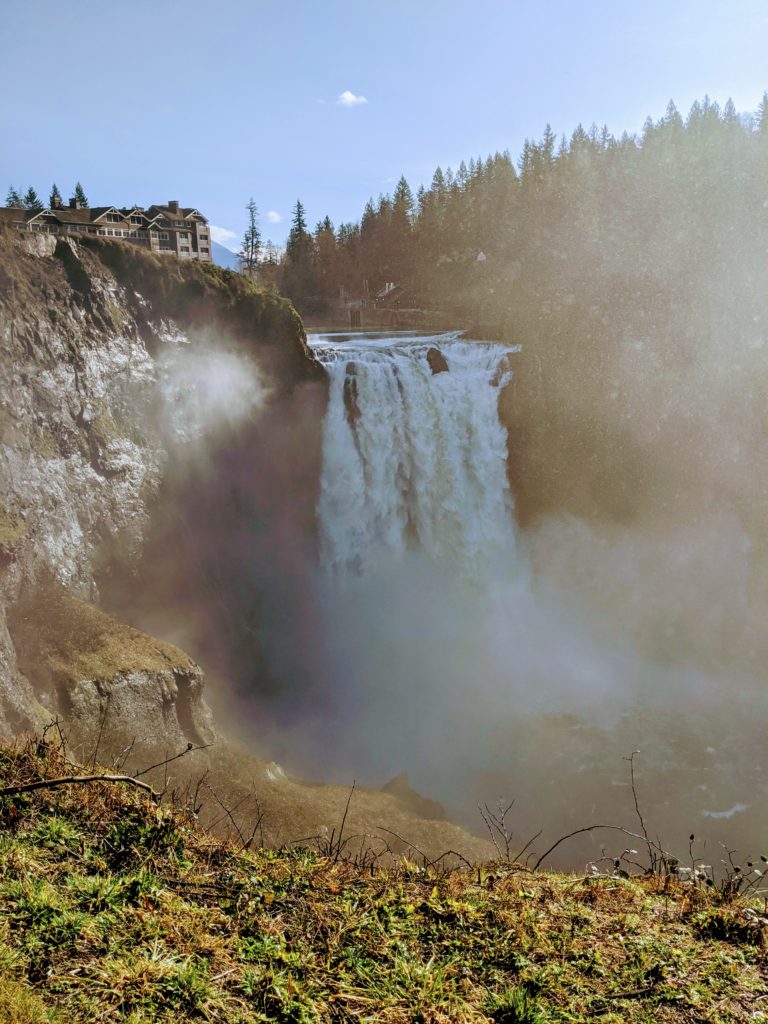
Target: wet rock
351 405
437 361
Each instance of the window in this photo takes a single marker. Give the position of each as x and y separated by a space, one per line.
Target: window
184 236
164 236
185 248
114 218
203 249
135 220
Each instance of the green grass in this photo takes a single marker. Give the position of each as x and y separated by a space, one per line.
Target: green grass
114 910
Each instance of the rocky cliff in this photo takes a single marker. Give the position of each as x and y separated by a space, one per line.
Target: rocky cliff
111 361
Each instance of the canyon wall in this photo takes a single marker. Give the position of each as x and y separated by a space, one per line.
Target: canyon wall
116 366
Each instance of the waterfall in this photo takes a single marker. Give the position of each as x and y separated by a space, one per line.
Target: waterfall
414 460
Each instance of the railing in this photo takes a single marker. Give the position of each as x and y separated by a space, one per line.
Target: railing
91 229
81 229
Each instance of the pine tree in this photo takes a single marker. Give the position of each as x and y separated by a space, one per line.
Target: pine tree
547 147
297 273
79 197
14 198
402 203
730 117
55 200
251 247
438 185
32 200
298 244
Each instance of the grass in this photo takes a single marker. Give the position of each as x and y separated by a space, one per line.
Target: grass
74 640
112 909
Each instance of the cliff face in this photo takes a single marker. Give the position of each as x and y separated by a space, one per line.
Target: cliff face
110 359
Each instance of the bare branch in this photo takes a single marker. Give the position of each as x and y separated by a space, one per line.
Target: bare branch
651 853
174 757
580 831
69 780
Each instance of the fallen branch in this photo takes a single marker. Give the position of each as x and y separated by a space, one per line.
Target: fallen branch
78 780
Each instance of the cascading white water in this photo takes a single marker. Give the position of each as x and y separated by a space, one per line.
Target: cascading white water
414 460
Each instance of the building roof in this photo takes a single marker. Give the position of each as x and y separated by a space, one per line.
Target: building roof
12 214
183 212
89 215
66 215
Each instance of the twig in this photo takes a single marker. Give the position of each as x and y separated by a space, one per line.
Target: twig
227 811
55 724
516 858
123 756
339 845
638 812
257 827
634 993
160 764
451 853
68 780
102 722
407 842
579 831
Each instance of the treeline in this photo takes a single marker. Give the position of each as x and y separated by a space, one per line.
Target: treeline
449 241
29 199
634 272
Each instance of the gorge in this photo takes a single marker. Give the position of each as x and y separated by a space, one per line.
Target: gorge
333 531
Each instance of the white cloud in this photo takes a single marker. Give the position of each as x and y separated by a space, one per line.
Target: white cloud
274 217
223 235
348 99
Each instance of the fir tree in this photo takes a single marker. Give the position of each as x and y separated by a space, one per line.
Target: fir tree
298 244
55 200
297 277
251 247
14 198
32 200
79 197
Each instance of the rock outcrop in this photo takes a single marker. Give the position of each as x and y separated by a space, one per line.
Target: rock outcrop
93 338
85 667
437 361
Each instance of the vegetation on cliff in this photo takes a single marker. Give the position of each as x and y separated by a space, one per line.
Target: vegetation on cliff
202 295
112 907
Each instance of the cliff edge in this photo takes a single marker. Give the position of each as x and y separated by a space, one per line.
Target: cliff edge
107 352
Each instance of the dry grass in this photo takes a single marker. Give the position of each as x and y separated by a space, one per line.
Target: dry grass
112 909
68 640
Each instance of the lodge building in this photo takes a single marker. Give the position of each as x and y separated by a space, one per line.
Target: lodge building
171 229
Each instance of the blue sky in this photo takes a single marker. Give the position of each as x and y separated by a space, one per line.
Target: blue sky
213 101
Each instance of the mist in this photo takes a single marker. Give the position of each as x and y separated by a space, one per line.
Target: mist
504 583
